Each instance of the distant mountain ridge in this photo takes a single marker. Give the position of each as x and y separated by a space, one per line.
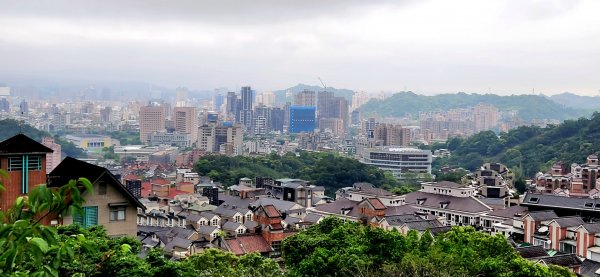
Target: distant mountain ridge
577 101
527 107
281 99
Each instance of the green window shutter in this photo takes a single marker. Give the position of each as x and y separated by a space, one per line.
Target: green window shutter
78 218
91 216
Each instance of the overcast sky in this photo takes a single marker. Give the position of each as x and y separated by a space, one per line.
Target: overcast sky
425 46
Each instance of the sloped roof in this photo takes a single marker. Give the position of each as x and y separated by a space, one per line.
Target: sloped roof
569 221
248 244
532 251
554 201
593 228
338 205
376 203
206 229
543 215
177 242
509 212
400 210
232 226
313 218
71 168
566 260
432 200
22 144
424 224
271 211
589 268
399 220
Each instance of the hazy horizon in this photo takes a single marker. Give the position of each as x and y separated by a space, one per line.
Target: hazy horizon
428 47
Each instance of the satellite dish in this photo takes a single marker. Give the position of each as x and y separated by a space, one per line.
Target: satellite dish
543 229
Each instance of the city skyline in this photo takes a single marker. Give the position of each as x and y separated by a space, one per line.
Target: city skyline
428 47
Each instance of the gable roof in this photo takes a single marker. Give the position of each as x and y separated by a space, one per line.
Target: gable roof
432 200
569 221
271 211
509 212
71 168
593 228
248 244
22 144
566 260
232 226
542 215
555 201
376 203
532 251
589 268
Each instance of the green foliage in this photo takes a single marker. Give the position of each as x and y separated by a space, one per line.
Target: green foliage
338 248
528 107
528 149
27 246
322 169
109 153
11 127
126 138
214 262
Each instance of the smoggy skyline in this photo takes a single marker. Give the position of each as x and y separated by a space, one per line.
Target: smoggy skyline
429 47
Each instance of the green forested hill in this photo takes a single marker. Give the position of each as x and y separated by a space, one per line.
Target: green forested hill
10 127
530 148
528 107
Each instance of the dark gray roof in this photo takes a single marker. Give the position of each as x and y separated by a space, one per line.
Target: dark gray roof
447 184
398 220
400 210
227 211
424 224
593 228
206 229
509 212
280 205
234 201
177 242
193 218
588 268
566 260
543 215
312 218
532 251
431 200
569 221
555 201
336 207
251 224
231 226
368 188
208 215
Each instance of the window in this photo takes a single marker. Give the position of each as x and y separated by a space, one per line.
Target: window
533 200
237 218
15 163
249 217
87 217
240 230
215 222
117 213
34 162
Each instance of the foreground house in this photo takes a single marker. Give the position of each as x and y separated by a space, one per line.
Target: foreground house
110 205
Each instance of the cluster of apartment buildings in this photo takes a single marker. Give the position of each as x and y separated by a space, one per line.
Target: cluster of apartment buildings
581 180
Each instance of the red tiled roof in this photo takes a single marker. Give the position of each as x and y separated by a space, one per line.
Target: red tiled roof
377 204
160 182
175 192
131 177
248 244
271 211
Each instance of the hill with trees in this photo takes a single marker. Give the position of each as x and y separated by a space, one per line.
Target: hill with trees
527 149
12 127
527 107
322 169
577 101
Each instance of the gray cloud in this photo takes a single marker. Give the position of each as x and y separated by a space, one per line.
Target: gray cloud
429 46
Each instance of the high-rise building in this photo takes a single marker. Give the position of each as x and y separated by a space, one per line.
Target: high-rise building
24 108
262 117
218 101
268 98
324 99
305 98
152 119
392 135
302 119
212 138
277 119
181 97
4 105
186 121
336 125
355 117
485 117
233 106
54 158
247 111
105 114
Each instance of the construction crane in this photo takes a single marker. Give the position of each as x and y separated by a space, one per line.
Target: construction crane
324 86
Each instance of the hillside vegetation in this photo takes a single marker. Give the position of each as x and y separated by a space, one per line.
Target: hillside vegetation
528 107
12 127
321 169
528 148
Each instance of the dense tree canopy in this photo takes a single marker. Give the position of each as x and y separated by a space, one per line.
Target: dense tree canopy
12 127
338 248
531 148
322 169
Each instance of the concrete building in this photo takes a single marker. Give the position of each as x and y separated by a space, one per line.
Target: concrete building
152 119
392 135
186 121
398 160
54 158
247 109
211 139
305 98
90 142
177 139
